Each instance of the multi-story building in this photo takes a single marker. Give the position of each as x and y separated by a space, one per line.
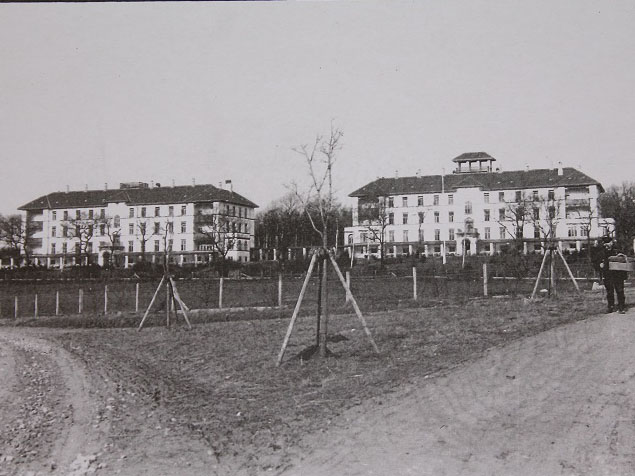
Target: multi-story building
137 222
477 209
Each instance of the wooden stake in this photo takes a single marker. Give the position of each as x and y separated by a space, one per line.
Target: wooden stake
280 290
35 307
136 299
167 305
542 266
15 307
57 303
325 310
81 301
105 299
296 309
184 308
220 293
355 306
154 297
348 282
566 265
414 283
485 279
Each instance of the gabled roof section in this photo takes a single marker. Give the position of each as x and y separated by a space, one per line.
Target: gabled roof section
138 196
467 156
517 179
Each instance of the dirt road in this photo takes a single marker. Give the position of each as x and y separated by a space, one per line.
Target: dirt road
559 403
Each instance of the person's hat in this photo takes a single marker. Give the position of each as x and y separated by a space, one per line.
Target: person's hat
607 239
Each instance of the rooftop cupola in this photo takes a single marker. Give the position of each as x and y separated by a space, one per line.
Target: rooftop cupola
474 162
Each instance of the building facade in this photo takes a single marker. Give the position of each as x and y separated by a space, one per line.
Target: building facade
478 209
138 222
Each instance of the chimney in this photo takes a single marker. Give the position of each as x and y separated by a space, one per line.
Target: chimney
86 187
560 170
526 167
193 181
228 184
106 186
418 173
151 183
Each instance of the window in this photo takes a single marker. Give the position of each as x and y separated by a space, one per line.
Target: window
131 228
552 212
535 195
486 197
391 218
363 237
486 215
501 214
65 215
468 208
451 217
170 243
78 215
52 248
420 200
142 228
53 231
64 248
437 234
157 211
501 196
391 202
171 211
436 217
519 196
572 231
421 235
405 235
584 231
65 231
54 215
435 199
405 219
501 232
233 210
131 213
90 214
551 195
78 231
451 234
143 212
391 235
451 199
77 248
102 213
184 209
421 217
89 247
102 229
130 246
536 213
156 245
170 226
183 227
157 228
349 239
404 201
184 245
536 231
487 233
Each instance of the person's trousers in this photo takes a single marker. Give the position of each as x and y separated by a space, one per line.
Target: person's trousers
615 286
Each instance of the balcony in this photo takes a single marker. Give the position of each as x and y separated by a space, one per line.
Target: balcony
577 203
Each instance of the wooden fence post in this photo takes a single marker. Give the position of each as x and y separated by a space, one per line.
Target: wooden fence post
414 283
136 299
105 299
280 290
348 283
57 302
35 307
81 301
15 307
220 293
485 279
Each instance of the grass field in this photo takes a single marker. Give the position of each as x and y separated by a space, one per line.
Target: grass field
220 381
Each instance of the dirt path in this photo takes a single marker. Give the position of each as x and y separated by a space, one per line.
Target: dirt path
559 403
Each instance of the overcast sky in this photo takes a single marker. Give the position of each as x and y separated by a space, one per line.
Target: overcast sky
96 93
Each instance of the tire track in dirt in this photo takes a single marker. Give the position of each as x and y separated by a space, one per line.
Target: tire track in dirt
561 402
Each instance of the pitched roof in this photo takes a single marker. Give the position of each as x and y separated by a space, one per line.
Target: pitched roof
473 156
137 196
516 179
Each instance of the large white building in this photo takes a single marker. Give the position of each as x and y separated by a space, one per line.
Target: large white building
137 221
476 209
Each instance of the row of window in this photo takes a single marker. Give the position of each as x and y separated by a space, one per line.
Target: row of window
143 212
78 214
519 196
487 215
86 230
240 245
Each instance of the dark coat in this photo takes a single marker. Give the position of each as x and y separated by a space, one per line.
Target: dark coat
607 273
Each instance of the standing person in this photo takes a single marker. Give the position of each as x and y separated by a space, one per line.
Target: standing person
613 279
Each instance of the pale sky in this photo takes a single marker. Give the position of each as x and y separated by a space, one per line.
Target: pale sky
95 93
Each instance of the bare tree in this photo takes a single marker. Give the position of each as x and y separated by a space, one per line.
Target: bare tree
17 233
219 231
513 219
373 215
145 233
82 228
112 230
545 218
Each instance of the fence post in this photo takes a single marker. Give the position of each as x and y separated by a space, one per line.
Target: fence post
15 307
414 283
81 301
348 283
136 299
105 299
220 293
485 279
35 307
279 290
57 302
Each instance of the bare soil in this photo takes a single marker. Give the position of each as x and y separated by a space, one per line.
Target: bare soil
212 401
